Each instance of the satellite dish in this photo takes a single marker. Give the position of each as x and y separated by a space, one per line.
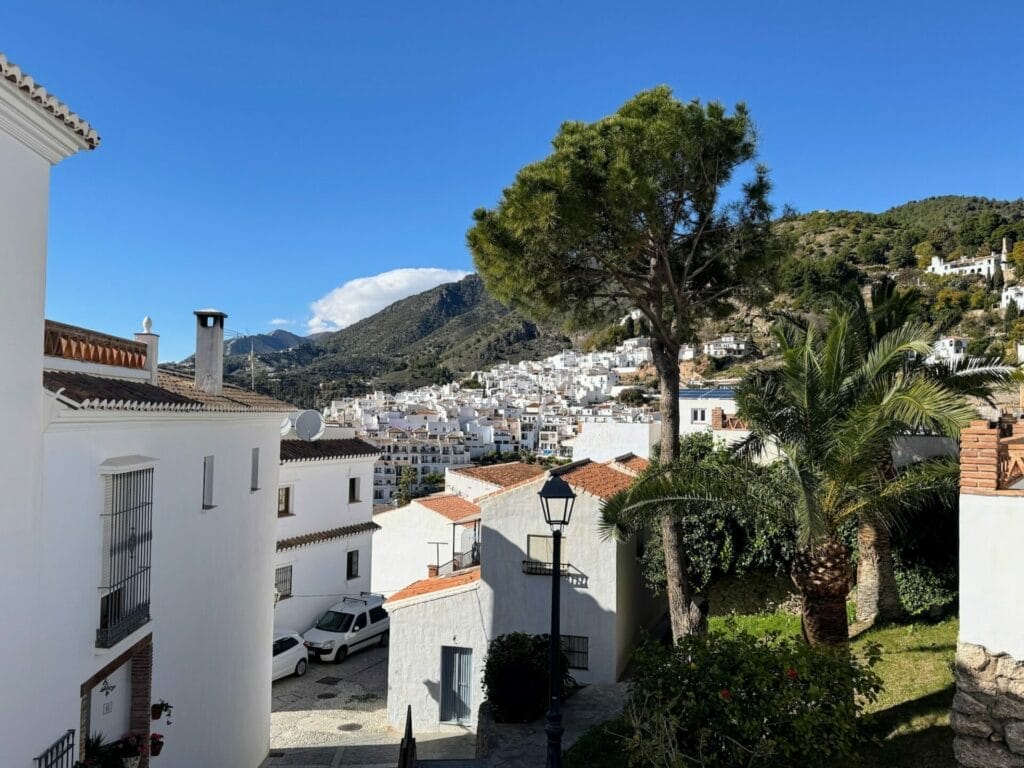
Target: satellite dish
309 425
286 426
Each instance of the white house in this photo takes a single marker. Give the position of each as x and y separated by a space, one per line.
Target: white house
441 625
1014 293
948 349
473 482
602 441
988 707
155 547
984 265
428 535
696 407
727 346
324 527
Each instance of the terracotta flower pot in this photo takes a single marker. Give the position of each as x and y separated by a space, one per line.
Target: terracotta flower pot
156 711
155 748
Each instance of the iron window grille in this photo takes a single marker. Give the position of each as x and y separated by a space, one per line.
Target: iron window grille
60 754
577 651
127 549
283 582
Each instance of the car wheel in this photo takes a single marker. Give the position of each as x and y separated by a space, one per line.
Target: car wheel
341 655
300 668
384 637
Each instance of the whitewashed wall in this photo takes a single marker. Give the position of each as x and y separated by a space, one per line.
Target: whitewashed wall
604 441
465 486
992 572
212 578
419 628
688 405
402 549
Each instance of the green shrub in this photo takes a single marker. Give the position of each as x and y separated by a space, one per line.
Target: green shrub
516 676
925 591
733 699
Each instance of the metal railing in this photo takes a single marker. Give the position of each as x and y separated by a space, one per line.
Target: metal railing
60 754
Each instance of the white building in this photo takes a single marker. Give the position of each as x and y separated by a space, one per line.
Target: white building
948 349
1014 293
696 407
426 454
157 543
324 527
474 482
984 265
727 346
440 626
604 441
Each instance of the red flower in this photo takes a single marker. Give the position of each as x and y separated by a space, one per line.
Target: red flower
725 694
791 673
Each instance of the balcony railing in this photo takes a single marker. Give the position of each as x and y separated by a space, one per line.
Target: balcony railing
460 561
60 754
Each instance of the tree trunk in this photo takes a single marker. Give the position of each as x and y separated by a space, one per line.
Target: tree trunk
878 598
823 577
686 616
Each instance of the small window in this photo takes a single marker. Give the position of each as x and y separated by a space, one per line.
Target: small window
698 415
208 483
254 482
353 490
283 582
360 623
540 549
353 564
576 650
378 614
284 501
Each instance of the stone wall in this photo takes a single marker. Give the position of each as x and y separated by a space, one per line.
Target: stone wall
988 709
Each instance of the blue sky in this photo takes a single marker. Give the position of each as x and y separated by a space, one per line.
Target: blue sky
258 156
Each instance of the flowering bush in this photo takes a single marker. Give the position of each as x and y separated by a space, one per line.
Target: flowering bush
733 699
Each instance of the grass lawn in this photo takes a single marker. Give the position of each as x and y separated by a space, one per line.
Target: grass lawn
908 727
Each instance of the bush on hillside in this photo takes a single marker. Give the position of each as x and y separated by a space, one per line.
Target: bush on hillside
516 676
734 700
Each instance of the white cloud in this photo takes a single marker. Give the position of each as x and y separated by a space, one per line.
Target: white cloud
279 321
363 296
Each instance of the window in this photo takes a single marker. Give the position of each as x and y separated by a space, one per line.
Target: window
127 545
284 501
284 644
353 490
378 614
208 482
361 623
577 650
353 564
254 482
698 415
540 555
283 582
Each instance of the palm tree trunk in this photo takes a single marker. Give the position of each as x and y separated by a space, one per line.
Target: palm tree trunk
823 577
685 616
878 598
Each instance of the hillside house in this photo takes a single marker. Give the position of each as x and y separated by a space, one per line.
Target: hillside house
948 349
985 266
729 345
441 625
324 527
1012 293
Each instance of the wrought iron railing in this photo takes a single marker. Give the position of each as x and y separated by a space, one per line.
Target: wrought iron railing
60 754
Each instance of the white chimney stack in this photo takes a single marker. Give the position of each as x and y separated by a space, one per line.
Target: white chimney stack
209 350
152 342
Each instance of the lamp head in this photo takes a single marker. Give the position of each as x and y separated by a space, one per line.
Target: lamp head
557 499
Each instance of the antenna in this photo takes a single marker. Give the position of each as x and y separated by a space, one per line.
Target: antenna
309 425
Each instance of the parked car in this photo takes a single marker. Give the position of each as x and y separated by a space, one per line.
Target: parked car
290 654
352 624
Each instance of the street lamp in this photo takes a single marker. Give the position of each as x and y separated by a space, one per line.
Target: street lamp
556 499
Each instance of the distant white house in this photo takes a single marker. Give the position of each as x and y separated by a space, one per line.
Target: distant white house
441 625
1014 293
727 346
324 527
984 265
948 349
605 441
696 407
687 352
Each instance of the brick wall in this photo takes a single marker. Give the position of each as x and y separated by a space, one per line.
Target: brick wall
979 457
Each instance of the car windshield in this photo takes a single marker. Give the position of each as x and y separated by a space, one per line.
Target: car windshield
332 621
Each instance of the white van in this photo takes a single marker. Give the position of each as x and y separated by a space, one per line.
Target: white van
352 624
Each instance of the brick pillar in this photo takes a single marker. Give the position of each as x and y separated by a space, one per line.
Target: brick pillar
142 695
717 418
979 457
431 571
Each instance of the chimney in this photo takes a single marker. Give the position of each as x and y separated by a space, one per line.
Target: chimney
432 571
209 350
152 342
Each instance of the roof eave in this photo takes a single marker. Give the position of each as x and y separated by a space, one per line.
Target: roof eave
37 126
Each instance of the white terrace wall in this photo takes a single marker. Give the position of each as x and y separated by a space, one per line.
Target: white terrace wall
212 579
402 546
601 441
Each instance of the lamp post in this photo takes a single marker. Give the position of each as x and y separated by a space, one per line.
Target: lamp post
556 499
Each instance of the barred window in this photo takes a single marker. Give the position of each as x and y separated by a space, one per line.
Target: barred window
283 582
577 650
127 547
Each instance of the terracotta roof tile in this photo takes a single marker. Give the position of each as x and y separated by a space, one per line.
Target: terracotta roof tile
172 393
31 90
632 462
437 584
453 507
70 342
503 475
303 450
601 480
319 537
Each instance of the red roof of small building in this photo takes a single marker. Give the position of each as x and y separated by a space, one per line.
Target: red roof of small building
601 480
437 584
503 475
453 507
633 462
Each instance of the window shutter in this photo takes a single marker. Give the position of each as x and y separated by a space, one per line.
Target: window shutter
254 483
208 482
